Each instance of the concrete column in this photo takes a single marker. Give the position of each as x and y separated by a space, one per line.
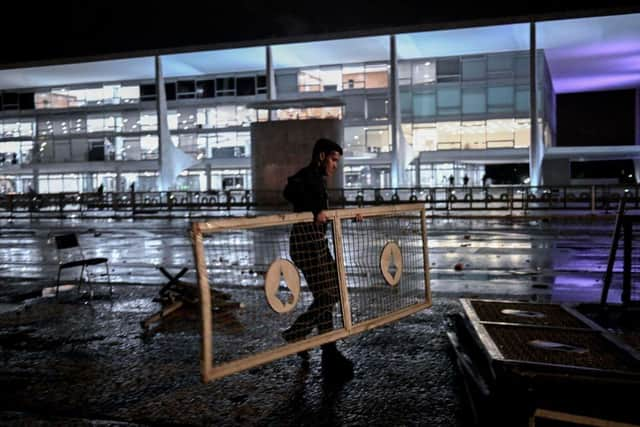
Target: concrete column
536 148
398 149
636 162
418 171
271 81
161 111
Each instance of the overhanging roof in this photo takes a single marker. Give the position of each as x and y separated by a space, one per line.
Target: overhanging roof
600 53
580 154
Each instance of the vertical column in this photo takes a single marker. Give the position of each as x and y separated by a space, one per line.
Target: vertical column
161 107
636 162
398 161
161 110
172 160
535 147
271 81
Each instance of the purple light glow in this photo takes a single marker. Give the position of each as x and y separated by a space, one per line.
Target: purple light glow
628 46
593 82
589 54
575 281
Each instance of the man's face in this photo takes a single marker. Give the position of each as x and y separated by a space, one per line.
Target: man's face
330 163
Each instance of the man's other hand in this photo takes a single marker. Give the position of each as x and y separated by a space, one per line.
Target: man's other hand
322 218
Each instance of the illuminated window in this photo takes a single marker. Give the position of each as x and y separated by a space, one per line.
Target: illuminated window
473 135
500 133
353 77
425 137
449 137
376 76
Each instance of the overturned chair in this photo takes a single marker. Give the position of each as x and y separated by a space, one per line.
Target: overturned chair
70 255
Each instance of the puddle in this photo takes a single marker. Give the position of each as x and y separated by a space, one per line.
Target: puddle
140 305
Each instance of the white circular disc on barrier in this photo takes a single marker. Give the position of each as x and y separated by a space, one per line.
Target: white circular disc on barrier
282 269
391 263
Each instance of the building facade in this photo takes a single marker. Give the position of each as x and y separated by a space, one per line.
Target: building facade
462 100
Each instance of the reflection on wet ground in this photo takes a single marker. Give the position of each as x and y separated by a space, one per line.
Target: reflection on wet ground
558 259
70 360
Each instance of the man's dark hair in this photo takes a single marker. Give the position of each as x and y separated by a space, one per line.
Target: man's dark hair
326 146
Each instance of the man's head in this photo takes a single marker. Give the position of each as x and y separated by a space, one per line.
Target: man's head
326 154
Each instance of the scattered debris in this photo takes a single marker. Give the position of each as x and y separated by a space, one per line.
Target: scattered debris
177 294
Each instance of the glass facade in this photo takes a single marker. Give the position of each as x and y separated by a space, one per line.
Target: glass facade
462 90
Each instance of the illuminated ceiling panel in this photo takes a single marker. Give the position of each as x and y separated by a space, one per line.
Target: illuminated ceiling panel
466 41
326 52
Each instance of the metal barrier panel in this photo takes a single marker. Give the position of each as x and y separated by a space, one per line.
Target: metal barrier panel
275 285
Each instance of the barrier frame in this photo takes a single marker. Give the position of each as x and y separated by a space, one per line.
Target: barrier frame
199 229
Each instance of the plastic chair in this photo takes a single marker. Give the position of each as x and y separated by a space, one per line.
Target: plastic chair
70 256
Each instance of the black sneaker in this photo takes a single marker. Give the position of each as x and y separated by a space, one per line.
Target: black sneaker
335 366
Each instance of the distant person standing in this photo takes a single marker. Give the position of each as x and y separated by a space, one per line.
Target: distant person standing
451 180
100 192
465 180
484 180
33 198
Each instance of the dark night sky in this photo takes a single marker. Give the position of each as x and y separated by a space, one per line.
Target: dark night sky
596 118
58 31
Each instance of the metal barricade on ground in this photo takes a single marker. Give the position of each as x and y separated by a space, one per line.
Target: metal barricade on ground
281 268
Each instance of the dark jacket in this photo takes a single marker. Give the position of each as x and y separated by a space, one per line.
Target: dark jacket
307 190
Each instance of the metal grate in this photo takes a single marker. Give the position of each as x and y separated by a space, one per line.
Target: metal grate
525 313
372 295
592 350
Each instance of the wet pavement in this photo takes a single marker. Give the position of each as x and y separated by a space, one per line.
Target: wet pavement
73 361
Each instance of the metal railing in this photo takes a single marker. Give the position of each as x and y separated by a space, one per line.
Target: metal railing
513 198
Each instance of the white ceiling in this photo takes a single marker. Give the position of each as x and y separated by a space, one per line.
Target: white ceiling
583 54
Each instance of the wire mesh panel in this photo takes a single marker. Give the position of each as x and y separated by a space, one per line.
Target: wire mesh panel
275 285
384 264
270 279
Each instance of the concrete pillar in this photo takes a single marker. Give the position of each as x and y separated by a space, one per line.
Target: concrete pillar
271 81
280 148
636 162
398 149
161 107
536 148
